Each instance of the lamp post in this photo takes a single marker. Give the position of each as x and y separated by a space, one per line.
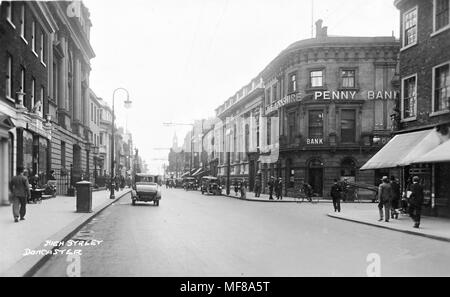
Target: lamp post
127 105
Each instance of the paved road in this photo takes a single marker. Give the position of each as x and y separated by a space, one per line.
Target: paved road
194 235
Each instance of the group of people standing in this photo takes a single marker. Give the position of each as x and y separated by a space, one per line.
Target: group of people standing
389 199
277 186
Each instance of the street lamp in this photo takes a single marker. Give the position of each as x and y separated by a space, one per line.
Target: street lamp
127 105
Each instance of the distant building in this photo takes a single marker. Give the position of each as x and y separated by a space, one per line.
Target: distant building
237 134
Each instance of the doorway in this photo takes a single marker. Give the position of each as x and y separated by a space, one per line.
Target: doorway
315 176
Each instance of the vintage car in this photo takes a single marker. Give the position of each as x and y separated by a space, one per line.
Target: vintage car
211 185
189 183
146 188
178 183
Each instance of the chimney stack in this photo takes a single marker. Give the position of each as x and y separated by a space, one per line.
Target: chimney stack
321 32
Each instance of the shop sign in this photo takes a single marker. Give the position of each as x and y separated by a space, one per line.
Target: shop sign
315 141
289 99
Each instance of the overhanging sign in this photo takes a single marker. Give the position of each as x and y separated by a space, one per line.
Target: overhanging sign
289 99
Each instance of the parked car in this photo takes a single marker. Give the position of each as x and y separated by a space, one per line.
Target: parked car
210 185
146 188
190 183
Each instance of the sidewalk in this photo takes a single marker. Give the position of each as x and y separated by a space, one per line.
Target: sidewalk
250 196
53 219
431 227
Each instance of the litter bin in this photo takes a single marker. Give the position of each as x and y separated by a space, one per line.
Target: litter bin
84 196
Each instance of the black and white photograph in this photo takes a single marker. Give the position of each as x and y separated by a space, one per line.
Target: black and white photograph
225 145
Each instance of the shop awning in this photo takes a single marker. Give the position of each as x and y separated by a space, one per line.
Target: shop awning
185 174
197 172
439 154
401 149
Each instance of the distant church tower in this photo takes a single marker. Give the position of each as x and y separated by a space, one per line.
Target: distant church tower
175 141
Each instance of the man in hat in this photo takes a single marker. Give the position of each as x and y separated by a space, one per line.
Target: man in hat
271 187
20 192
415 201
385 198
279 189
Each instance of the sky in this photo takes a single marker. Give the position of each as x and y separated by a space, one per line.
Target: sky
181 59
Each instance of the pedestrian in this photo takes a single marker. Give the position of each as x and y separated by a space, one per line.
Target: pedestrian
384 198
257 187
236 188
279 189
307 190
395 198
243 188
335 194
415 201
271 187
122 182
20 193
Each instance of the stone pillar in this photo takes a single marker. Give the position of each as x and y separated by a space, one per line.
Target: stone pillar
4 171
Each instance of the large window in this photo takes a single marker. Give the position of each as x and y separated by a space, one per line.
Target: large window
269 130
22 21
348 125
33 92
42 51
9 76
410 27
441 14
9 12
348 78
22 79
441 88
55 80
315 124
41 98
292 83
409 97
33 36
316 78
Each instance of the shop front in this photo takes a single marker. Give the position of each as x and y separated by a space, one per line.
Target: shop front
33 153
6 157
426 154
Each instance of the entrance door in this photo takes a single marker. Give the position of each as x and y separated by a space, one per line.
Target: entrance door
315 176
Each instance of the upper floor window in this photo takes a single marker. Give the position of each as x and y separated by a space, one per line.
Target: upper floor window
348 125
441 14
9 12
274 92
33 92
348 78
22 21
409 97
33 36
22 79
441 88
9 77
410 27
42 48
315 121
316 78
41 98
292 83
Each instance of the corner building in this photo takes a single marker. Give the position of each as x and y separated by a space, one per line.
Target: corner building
328 104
